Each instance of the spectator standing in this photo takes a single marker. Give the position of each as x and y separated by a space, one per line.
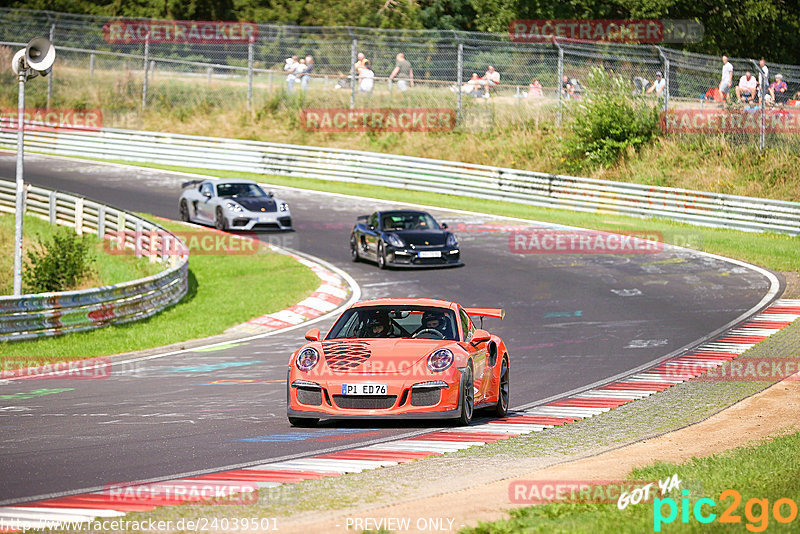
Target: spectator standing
746 90
289 69
726 82
366 78
763 78
779 91
492 79
658 85
307 73
403 72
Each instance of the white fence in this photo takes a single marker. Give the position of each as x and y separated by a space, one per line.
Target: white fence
48 314
421 174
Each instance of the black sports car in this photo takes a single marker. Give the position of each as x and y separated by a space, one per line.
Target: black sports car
404 238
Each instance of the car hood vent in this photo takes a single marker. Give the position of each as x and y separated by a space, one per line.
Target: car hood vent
257 204
345 355
422 238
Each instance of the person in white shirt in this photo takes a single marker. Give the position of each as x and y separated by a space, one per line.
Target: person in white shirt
492 79
366 78
746 90
727 78
658 85
289 69
763 78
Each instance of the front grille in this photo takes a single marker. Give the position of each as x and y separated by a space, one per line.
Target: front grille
364 402
425 396
266 226
345 355
311 397
239 221
285 221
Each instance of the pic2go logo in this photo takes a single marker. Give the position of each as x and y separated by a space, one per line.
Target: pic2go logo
783 511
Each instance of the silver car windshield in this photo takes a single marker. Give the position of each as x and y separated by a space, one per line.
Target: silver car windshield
240 190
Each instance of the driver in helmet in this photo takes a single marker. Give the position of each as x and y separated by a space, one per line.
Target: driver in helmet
434 320
379 325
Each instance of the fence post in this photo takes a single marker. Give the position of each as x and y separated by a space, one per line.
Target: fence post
250 75
459 81
51 207
762 86
146 64
666 78
79 215
353 59
101 221
558 81
91 65
50 78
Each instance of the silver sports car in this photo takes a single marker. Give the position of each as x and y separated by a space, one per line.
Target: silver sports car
233 205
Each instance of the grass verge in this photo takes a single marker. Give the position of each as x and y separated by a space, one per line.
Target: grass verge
765 472
107 268
224 290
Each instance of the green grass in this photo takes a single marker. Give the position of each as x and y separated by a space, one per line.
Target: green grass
775 251
768 470
224 290
108 268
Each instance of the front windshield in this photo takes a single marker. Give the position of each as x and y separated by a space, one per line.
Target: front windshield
408 221
405 322
240 190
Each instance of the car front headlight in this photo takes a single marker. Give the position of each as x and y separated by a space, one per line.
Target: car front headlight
307 359
395 241
284 206
440 360
233 206
451 240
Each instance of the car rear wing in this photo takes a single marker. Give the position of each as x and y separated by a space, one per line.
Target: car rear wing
184 185
497 313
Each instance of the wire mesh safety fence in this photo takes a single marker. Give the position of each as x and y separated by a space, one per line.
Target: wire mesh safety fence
127 67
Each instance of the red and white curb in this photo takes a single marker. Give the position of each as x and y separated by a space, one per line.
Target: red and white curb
86 507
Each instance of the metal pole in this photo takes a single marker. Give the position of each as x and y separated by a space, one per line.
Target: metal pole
20 184
146 65
91 65
762 83
460 79
250 75
558 82
666 77
353 59
50 78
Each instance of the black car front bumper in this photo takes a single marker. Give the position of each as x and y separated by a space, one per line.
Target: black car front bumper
416 257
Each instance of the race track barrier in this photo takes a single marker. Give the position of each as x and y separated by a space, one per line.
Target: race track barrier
47 314
422 174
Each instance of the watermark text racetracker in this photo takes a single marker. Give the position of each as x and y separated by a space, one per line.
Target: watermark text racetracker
179 32
378 120
575 241
750 120
199 524
52 119
606 30
159 242
38 369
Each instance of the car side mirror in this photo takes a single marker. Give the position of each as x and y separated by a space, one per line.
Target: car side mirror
270 194
206 194
371 227
444 226
313 334
480 336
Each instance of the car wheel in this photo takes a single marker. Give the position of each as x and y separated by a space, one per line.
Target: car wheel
381 256
501 409
184 211
467 397
354 249
303 422
220 223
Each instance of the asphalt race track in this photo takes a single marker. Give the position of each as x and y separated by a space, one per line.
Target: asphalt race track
571 320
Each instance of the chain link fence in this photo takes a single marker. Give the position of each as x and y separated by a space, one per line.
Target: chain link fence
537 81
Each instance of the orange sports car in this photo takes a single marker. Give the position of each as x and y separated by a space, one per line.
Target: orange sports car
403 358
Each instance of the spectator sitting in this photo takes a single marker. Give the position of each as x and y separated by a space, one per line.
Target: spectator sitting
535 89
658 85
473 86
491 79
778 91
366 78
567 89
362 60
746 90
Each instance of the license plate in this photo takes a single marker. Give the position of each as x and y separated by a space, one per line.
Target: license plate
430 253
264 219
363 389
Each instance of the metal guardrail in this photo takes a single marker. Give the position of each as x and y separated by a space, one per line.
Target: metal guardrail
421 174
48 314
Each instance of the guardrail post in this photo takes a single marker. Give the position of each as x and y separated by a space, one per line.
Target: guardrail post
250 75
353 59
459 80
101 221
122 238
137 239
51 207
558 81
50 78
79 216
91 65
146 64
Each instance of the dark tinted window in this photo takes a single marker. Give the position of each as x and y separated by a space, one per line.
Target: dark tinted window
407 322
408 221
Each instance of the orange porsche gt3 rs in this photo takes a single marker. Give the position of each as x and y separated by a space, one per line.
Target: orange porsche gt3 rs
400 358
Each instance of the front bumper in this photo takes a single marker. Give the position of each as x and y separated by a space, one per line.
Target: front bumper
252 221
402 400
414 257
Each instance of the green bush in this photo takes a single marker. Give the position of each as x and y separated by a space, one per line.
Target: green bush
609 122
59 264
